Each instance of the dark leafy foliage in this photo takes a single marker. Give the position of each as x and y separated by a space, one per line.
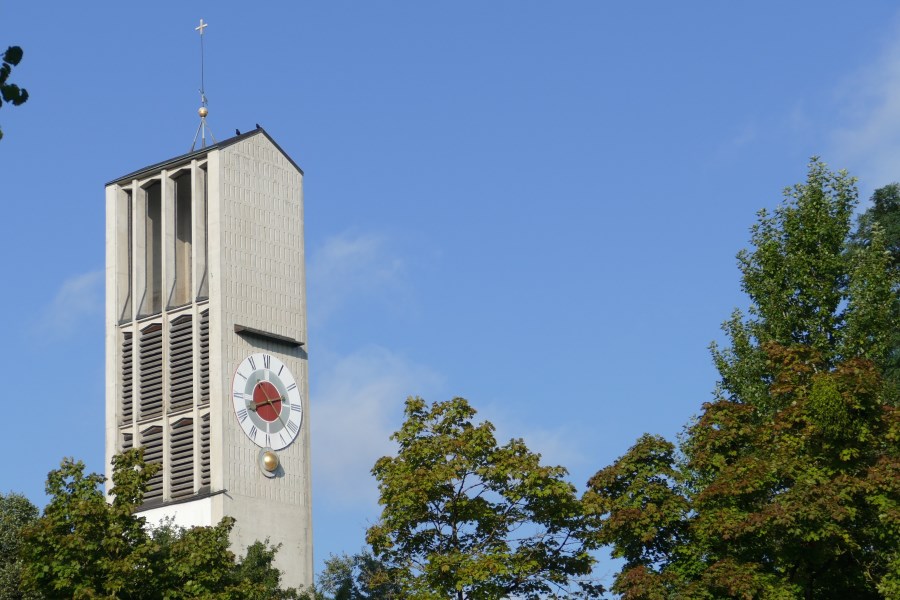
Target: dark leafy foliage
884 213
16 513
883 217
788 483
465 518
85 547
357 577
10 92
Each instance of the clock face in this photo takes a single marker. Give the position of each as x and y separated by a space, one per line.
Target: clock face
267 401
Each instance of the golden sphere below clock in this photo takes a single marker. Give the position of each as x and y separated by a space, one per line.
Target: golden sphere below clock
270 461
203 111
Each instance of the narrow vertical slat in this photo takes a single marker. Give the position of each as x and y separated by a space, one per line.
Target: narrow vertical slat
204 450
181 363
152 441
127 374
204 358
151 366
181 459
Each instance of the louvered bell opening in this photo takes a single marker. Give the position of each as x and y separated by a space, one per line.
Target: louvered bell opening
204 450
152 441
181 363
181 454
204 358
127 410
127 442
151 365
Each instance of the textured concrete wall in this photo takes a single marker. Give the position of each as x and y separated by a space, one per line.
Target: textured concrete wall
113 267
259 282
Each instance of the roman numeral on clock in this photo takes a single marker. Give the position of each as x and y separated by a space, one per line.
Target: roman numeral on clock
253 431
267 361
292 426
242 415
292 387
252 362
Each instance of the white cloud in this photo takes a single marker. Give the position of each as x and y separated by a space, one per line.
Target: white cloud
349 267
869 139
78 297
357 404
747 134
557 446
799 122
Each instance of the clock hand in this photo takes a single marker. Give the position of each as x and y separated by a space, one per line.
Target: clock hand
272 404
280 418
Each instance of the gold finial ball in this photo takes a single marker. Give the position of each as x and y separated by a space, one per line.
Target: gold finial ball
203 112
270 461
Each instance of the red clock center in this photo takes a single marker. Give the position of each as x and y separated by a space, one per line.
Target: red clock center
267 401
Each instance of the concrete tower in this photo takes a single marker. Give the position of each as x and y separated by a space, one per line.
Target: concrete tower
205 341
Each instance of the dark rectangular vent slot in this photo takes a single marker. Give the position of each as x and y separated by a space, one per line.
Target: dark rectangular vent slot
151 365
152 441
204 357
181 456
181 363
204 450
127 441
127 373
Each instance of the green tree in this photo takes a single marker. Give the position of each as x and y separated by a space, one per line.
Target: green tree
884 214
10 92
16 512
357 577
465 518
85 547
788 483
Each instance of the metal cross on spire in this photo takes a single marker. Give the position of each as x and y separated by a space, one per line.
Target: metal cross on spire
203 111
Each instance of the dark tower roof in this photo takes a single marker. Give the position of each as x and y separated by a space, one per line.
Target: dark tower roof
184 157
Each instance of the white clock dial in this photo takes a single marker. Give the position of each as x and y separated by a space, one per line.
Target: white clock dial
268 403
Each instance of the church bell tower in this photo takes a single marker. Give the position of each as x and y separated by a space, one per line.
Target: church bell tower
206 363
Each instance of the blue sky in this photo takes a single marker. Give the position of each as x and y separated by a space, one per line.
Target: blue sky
533 205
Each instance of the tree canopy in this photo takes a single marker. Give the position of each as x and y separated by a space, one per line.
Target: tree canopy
884 215
85 547
357 577
788 483
465 518
16 513
10 92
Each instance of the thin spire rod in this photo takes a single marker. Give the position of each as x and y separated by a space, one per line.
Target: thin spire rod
202 75
203 110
